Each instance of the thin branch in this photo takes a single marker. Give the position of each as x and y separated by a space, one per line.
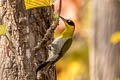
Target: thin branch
60 7
46 37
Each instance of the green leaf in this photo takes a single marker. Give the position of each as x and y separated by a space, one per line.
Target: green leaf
115 38
3 29
29 4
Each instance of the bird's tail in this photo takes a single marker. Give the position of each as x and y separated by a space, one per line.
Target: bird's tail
42 66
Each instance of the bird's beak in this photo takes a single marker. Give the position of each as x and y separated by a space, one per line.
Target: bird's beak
63 19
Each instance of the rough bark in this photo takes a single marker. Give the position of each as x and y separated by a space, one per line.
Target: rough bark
105 56
26 28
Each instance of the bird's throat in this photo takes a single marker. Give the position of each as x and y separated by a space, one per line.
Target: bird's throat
67 33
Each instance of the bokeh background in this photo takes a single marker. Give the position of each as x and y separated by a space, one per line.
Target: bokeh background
75 64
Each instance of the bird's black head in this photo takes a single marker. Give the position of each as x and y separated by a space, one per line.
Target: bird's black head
70 22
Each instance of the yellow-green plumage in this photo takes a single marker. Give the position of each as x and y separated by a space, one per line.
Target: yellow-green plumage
68 32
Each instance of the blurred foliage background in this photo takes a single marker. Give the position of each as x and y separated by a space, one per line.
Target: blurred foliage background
75 64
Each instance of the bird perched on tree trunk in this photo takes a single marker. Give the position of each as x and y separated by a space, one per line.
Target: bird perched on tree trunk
60 45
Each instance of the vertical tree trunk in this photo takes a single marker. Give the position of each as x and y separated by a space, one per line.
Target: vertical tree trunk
26 28
106 63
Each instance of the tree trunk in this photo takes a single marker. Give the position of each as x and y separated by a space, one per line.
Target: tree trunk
105 56
26 28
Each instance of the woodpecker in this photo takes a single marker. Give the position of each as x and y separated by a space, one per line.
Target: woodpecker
60 45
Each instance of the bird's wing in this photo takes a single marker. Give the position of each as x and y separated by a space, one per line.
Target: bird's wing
53 58
56 47
66 46
58 44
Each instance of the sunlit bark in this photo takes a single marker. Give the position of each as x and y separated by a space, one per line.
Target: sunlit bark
26 28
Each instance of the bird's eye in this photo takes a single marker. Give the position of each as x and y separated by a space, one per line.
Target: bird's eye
70 22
